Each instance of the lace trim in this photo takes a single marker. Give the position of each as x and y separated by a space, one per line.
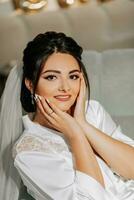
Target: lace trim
32 143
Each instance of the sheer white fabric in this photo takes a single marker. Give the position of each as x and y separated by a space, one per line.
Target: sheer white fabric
48 173
33 143
10 130
45 163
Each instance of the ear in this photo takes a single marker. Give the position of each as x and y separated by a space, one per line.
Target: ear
29 85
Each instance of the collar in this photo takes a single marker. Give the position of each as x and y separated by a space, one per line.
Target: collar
31 127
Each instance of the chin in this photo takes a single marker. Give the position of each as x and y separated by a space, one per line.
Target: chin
64 106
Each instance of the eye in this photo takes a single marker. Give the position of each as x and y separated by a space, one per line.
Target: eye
74 77
50 77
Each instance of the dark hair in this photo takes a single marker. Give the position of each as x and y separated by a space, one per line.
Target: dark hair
36 54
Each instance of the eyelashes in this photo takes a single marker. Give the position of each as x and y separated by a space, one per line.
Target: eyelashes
74 77
53 77
50 77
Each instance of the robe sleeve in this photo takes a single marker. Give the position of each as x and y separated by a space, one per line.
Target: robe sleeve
49 176
108 126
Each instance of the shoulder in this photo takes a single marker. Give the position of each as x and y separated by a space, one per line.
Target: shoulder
103 119
94 107
26 143
94 113
29 143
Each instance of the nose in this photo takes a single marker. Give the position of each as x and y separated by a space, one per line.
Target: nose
64 86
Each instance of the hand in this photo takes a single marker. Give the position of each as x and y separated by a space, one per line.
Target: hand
58 119
79 110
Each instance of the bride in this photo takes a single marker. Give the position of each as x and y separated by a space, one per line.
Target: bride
65 146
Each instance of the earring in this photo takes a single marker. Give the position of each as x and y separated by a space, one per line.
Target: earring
32 98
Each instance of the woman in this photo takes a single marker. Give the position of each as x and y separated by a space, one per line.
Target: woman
66 149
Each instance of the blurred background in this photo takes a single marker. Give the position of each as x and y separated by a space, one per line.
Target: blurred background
105 30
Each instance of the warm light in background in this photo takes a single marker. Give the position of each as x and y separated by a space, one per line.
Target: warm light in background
66 3
36 5
30 5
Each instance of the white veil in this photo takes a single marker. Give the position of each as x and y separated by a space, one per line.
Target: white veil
10 129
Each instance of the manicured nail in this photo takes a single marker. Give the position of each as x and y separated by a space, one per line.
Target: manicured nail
39 97
48 100
36 97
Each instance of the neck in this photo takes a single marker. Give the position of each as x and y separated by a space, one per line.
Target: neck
39 119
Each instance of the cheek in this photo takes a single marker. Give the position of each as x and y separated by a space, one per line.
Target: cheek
46 91
40 90
76 88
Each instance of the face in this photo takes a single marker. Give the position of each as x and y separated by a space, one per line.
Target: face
60 80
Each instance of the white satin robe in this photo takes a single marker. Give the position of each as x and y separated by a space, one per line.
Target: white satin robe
45 163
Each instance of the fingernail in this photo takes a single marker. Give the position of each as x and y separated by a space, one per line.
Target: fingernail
36 97
39 97
48 100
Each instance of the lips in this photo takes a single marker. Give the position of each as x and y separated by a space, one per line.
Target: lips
63 97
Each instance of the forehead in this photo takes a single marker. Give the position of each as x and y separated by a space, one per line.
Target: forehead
62 62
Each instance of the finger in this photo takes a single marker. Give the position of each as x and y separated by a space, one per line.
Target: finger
49 117
40 104
55 108
50 109
46 106
83 86
52 118
83 80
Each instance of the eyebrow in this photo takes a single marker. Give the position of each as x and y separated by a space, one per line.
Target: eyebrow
59 72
